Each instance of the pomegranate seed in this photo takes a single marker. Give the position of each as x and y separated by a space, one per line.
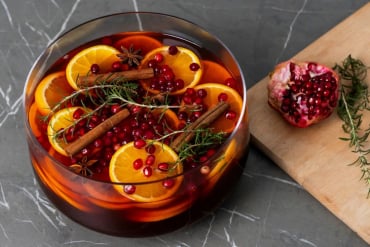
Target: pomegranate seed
168 75
150 159
198 101
152 63
210 152
147 171
179 84
202 93
230 82
163 166
230 115
129 189
222 97
95 68
98 143
190 91
148 135
138 163
168 183
194 66
203 158
172 50
187 100
158 57
182 115
116 66
150 149
115 108
78 113
139 143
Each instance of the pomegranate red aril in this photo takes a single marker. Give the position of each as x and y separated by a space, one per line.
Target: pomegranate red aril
147 171
78 113
230 82
172 50
150 149
179 84
137 164
116 66
202 93
163 166
194 67
158 57
168 183
94 68
230 115
222 97
303 92
129 189
150 159
139 143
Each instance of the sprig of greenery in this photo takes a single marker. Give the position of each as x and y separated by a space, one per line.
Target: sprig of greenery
204 138
354 99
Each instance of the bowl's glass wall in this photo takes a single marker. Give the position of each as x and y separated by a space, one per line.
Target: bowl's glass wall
97 204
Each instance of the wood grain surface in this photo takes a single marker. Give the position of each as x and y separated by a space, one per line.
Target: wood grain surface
315 157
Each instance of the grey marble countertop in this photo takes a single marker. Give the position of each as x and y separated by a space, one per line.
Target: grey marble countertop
267 208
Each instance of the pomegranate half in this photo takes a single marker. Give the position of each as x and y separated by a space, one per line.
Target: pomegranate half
303 92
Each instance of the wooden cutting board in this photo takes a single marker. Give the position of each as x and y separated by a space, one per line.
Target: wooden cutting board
314 156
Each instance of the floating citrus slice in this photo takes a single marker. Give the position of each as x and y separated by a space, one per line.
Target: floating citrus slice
142 42
102 55
214 73
215 92
171 119
51 91
62 119
35 120
155 177
179 60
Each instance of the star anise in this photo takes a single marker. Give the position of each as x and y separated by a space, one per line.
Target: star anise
130 56
82 167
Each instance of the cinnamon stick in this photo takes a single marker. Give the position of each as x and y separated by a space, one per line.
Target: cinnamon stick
76 146
138 74
203 121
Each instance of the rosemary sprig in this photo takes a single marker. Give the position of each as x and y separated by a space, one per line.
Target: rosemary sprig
204 138
355 98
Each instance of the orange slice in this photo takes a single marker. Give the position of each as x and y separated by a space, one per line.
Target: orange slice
35 120
214 73
233 98
142 42
80 64
51 91
62 119
152 189
180 65
172 121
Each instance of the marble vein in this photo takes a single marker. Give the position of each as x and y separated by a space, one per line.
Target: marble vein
40 203
291 27
233 212
4 232
74 242
3 201
284 181
66 20
10 19
296 239
206 236
229 238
